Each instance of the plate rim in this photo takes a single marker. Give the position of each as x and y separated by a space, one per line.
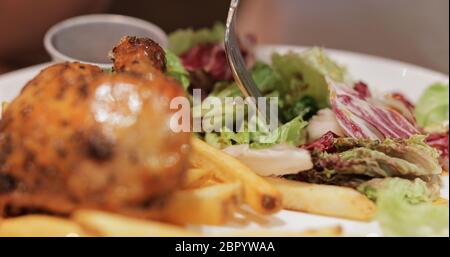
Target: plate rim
18 72
361 55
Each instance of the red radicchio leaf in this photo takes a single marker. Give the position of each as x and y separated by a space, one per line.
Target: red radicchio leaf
362 89
401 104
363 118
210 58
440 142
402 98
324 143
396 101
207 63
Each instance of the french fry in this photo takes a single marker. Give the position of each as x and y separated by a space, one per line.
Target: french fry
258 194
114 225
333 231
323 232
441 201
197 178
210 182
39 226
324 199
213 205
250 216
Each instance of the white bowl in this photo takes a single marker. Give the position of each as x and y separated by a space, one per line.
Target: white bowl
89 38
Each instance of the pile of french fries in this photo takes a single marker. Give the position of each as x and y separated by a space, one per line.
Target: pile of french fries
218 190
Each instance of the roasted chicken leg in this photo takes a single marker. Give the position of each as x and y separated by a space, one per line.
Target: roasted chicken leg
78 137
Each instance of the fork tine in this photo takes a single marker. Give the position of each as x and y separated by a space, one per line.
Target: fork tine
242 77
237 63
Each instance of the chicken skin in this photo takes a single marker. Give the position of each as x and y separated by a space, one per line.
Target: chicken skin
78 137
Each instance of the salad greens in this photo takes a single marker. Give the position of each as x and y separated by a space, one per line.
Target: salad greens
374 167
298 80
176 69
268 81
182 40
413 191
433 106
264 76
384 154
371 163
354 161
365 117
414 150
306 105
291 133
304 75
405 207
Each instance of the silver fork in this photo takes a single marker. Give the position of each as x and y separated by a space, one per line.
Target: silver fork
242 77
235 59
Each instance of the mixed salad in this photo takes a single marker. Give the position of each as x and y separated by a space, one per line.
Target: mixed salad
335 130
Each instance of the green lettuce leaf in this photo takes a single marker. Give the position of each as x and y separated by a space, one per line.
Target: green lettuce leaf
298 80
405 208
306 105
304 75
227 138
181 41
268 81
263 75
433 106
363 161
410 156
414 191
354 161
176 69
292 133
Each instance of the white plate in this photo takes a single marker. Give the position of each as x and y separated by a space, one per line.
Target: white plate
381 74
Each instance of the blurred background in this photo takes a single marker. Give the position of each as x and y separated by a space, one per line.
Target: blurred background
415 31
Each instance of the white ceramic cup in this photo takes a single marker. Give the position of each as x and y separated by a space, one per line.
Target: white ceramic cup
90 38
